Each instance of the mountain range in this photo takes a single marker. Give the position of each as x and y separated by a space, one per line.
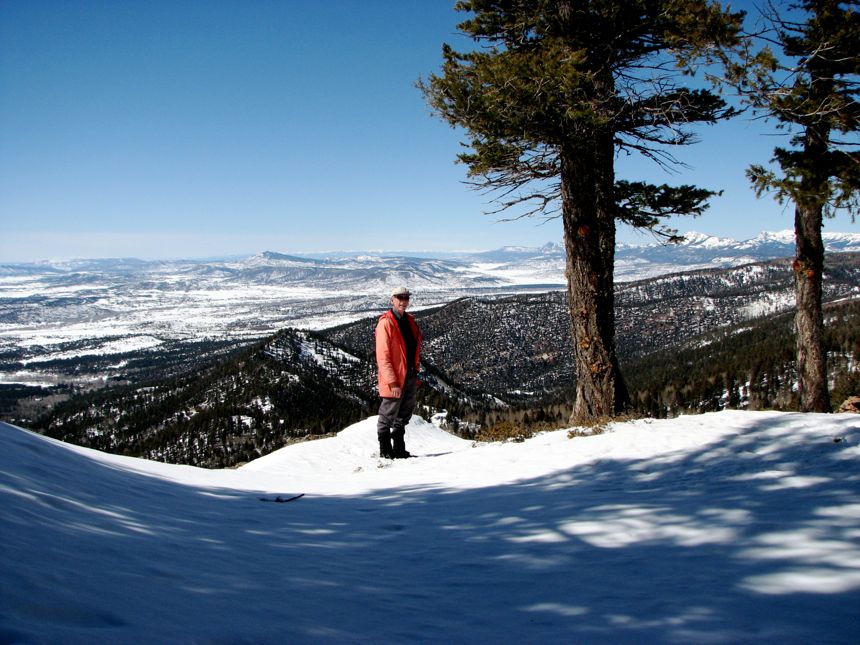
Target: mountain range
48 303
70 327
488 359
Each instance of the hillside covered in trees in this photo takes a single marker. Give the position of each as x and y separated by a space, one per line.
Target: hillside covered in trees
691 342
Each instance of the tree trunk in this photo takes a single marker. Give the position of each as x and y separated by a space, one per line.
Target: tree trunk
587 178
809 321
809 260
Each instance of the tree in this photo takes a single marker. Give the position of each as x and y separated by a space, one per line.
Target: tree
811 90
554 91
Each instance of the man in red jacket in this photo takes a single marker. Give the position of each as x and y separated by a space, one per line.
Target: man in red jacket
398 357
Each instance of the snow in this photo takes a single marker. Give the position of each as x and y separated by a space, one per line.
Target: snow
694 238
785 236
121 346
721 528
90 303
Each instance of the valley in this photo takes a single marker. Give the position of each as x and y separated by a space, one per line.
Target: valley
215 363
70 322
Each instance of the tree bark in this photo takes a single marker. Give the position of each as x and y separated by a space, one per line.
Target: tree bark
587 178
808 276
809 318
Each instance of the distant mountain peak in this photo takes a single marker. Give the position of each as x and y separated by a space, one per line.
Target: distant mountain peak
785 236
269 258
703 240
274 255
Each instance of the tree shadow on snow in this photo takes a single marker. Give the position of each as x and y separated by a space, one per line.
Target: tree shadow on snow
704 546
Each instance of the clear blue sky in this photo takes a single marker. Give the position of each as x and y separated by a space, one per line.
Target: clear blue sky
186 128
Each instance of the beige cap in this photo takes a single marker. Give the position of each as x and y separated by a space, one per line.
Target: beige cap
401 291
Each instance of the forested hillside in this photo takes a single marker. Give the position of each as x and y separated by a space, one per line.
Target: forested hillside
751 367
697 341
519 347
226 412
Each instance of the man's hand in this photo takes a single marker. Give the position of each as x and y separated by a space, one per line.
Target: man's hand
396 392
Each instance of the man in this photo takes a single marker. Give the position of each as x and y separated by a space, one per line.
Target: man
398 357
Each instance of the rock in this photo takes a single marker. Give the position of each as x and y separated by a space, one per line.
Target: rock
851 404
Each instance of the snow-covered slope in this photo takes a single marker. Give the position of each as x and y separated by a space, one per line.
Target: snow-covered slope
722 528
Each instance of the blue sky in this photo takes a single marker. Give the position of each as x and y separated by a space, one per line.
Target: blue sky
183 128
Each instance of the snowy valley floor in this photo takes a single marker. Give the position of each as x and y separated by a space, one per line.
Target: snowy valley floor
732 527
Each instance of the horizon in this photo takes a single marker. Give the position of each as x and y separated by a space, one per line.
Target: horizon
428 253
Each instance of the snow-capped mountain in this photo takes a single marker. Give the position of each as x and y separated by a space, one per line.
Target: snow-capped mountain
637 261
699 251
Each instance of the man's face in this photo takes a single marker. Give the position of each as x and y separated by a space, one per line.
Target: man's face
399 304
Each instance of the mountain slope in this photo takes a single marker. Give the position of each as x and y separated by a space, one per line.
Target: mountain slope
720 528
481 356
520 346
225 412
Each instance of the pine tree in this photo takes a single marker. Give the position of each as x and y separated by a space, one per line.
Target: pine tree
810 87
557 89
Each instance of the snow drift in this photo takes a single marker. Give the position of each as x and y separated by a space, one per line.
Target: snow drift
722 528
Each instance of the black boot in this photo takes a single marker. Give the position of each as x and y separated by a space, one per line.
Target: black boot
385 450
399 447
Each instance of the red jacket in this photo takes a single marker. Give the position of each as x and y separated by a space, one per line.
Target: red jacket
391 352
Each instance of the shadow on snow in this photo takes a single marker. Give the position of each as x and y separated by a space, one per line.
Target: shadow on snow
745 540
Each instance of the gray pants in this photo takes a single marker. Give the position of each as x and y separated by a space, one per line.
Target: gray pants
394 414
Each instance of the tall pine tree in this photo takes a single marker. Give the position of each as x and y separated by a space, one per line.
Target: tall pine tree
811 88
553 92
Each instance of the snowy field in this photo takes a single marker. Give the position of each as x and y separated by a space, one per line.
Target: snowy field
731 527
41 322
57 311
